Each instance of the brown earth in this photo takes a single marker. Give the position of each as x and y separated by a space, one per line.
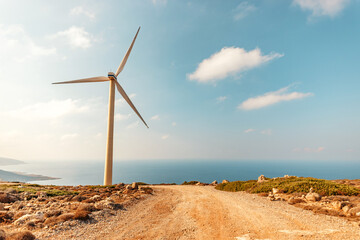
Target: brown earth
201 212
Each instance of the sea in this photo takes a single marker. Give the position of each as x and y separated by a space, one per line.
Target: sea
177 171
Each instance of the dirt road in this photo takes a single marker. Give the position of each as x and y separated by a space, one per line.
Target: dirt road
195 212
198 212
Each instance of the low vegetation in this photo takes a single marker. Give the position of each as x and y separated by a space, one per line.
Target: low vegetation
190 183
291 185
50 191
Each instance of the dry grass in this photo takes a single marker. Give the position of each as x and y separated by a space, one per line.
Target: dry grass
296 201
51 221
5 217
87 207
26 235
65 217
263 194
82 215
52 213
4 198
2 234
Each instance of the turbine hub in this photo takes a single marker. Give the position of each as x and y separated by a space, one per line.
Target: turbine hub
112 76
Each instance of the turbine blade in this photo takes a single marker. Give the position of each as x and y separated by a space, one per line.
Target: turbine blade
85 80
123 62
127 99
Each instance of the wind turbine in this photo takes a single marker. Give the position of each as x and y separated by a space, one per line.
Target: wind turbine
112 78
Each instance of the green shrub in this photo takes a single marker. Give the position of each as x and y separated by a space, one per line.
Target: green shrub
190 183
291 185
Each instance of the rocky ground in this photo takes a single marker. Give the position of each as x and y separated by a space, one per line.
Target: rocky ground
197 211
29 211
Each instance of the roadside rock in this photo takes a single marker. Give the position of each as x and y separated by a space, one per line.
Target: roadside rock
134 185
355 211
214 183
313 197
275 190
337 205
225 181
261 179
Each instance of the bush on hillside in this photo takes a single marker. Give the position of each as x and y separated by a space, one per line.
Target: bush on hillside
190 183
291 185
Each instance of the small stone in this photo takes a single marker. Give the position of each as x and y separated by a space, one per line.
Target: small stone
214 183
261 179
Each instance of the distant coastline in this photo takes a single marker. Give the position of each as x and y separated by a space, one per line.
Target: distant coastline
9 176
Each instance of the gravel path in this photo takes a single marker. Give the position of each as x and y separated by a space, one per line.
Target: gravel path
198 212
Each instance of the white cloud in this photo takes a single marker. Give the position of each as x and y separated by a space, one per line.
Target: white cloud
49 110
68 136
309 150
322 7
164 137
173 124
133 125
266 132
76 37
119 117
242 10
249 130
229 61
17 45
156 117
221 99
271 98
79 10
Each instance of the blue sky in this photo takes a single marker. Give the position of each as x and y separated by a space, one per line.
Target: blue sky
270 80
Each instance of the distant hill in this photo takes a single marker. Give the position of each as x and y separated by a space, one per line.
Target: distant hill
9 161
18 176
21 177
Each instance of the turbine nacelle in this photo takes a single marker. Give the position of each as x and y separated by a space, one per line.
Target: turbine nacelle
112 76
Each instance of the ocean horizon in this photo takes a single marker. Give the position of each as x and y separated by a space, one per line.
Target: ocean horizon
178 171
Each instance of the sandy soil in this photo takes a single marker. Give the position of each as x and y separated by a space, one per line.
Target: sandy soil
201 212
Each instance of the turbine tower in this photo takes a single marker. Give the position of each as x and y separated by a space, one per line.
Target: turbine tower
112 78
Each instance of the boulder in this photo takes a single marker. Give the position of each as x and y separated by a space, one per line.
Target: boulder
134 185
96 198
271 196
275 190
214 183
337 205
225 181
39 216
313 197
347 208
261 179
354 211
